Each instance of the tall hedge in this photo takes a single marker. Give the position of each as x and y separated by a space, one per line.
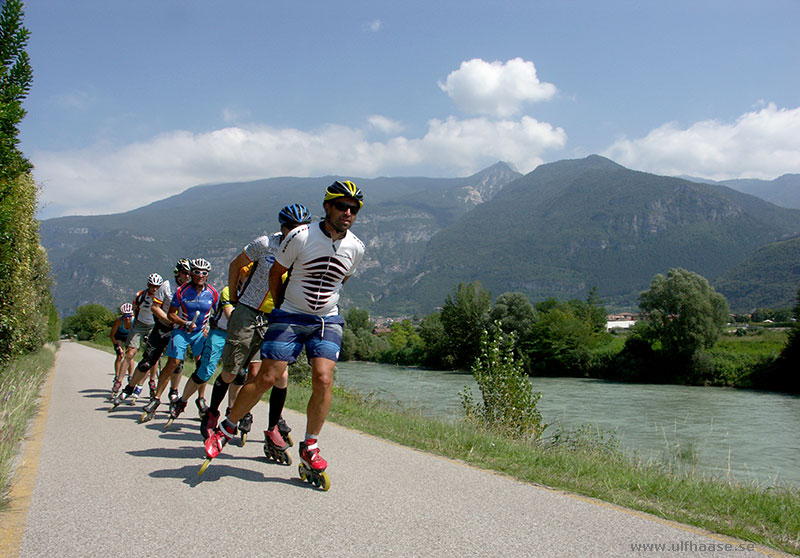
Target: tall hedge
27 316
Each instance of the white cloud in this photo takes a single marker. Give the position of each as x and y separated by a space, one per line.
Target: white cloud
99 180
760 144
496 88
385 125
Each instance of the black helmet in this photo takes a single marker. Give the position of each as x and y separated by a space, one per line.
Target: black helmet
344 189
182 265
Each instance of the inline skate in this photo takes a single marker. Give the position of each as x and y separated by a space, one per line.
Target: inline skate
175 409
137 391
312 465
245 425
202 406
216 441
284 429
275 446
149 410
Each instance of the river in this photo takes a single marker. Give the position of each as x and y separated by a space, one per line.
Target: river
751 435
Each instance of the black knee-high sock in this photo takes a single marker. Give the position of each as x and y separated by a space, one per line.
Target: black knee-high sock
218 393
277 398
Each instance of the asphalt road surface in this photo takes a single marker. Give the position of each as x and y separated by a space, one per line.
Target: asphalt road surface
106 485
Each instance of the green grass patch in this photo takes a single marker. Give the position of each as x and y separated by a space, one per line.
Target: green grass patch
21 381
583 462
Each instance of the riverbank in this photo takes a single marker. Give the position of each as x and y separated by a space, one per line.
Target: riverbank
584 463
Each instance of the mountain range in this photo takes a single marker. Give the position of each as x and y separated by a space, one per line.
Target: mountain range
561 230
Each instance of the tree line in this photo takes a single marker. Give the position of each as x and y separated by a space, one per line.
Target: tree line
28 317
677 342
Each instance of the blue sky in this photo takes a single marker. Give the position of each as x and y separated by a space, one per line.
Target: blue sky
136 101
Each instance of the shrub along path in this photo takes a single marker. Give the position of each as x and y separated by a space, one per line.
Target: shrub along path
106 483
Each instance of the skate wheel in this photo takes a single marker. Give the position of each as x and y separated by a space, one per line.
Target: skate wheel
169 423
204 466
244 439
324 481
302 472
288 440
287 458
143 418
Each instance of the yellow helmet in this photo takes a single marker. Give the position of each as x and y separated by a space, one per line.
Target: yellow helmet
344 189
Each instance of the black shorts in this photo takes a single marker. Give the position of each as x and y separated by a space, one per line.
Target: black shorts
156 343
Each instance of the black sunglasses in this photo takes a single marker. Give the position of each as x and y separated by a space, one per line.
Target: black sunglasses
342 206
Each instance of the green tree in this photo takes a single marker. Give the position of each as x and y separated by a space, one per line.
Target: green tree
16 76
90 321
684 312
432 333
357 319
561 340
508 402
464 316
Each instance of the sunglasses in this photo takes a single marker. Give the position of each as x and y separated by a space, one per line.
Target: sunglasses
342 206
201 273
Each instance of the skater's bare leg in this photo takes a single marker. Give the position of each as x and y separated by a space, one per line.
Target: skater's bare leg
320 402
165 377
250 394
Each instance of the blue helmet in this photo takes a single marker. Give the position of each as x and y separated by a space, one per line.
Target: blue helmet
294 214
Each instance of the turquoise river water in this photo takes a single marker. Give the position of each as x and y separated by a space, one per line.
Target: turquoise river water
751 435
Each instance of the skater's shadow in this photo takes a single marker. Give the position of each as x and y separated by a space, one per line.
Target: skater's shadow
129 413
218 470
183 452
96 393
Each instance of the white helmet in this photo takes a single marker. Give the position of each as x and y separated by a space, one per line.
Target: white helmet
126 309
200 264
155 279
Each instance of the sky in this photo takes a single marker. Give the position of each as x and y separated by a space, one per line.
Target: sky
132 102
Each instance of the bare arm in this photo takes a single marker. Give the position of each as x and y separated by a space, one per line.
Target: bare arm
177 320
114 330
158 312
275 274
233 275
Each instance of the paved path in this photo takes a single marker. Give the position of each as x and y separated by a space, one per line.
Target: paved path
106 486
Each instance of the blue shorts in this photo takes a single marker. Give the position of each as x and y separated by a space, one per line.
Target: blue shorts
211 354
181 339
289 333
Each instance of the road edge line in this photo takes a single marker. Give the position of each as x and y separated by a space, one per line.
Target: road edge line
14 518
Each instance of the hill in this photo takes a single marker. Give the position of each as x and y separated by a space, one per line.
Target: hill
769 278
573 225
783 191
560 231
106 258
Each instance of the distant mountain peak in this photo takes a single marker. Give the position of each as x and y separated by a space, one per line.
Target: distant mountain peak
482 186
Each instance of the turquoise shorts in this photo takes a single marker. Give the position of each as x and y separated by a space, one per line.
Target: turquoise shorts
211 354
181 339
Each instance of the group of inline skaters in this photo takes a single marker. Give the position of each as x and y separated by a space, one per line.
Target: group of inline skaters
282 296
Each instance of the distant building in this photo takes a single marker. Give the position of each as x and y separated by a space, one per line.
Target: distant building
624 320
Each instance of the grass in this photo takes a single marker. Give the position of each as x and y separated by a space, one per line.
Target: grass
21 381
582 462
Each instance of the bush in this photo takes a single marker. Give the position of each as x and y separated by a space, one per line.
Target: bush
508 400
